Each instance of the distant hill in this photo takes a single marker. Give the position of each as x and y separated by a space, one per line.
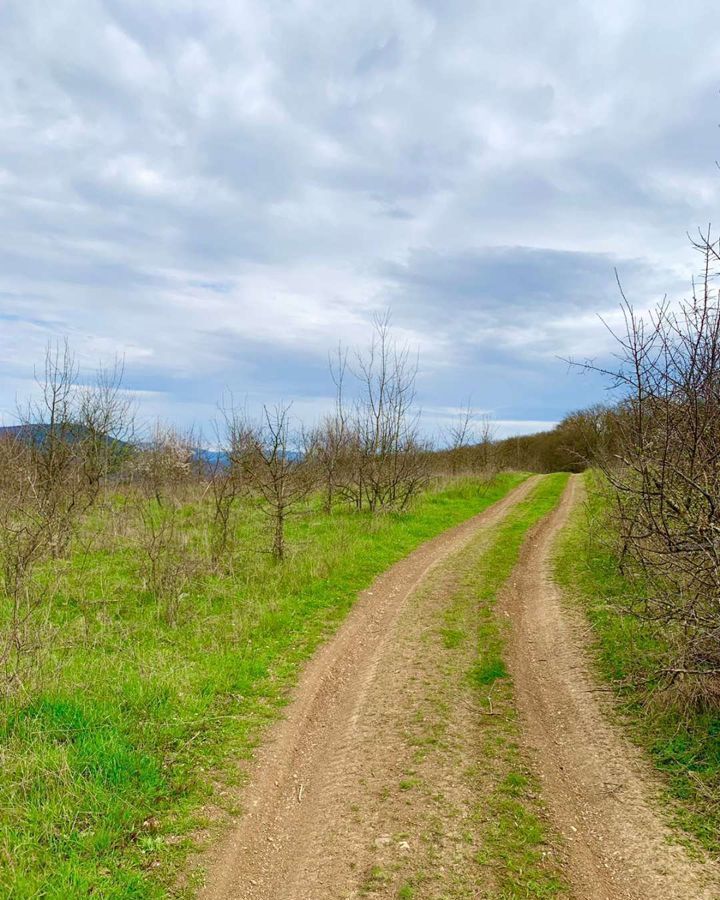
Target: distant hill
24 432
38 434
215 458
212 458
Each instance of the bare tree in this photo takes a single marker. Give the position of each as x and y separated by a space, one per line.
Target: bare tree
273 469
469 440
330 446
485 433
75 433
664 468
389 455
459 434
164 471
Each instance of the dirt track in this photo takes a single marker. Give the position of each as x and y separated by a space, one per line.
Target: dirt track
596 786
321 817
292 840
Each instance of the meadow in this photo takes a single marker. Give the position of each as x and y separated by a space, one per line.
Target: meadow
130 721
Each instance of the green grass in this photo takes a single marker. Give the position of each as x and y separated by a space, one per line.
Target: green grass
489 670
684 746
109 757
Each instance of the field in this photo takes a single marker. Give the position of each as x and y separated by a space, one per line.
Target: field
125 750
135 719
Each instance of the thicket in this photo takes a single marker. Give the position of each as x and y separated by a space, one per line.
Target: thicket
664 476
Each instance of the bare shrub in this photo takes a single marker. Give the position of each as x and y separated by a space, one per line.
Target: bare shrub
53 466
25 541
330 448
168 564
326 450
163 467
164 472
225 489
76 434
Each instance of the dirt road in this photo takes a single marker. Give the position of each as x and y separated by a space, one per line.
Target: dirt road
345 801
597 788
294 840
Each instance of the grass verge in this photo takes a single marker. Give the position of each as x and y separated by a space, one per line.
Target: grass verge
133 723
683 746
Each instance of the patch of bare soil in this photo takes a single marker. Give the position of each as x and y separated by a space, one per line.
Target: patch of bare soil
598 789
342 800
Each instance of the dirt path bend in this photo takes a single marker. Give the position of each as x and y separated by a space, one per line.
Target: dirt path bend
315 819
596 786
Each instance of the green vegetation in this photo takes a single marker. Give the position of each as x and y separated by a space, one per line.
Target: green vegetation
133 715
682 740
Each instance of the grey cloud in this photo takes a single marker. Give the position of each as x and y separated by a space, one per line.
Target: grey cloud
540 283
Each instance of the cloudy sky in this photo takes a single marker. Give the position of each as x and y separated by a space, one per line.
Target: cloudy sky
221 190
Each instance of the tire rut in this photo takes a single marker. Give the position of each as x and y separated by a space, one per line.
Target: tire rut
597 787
